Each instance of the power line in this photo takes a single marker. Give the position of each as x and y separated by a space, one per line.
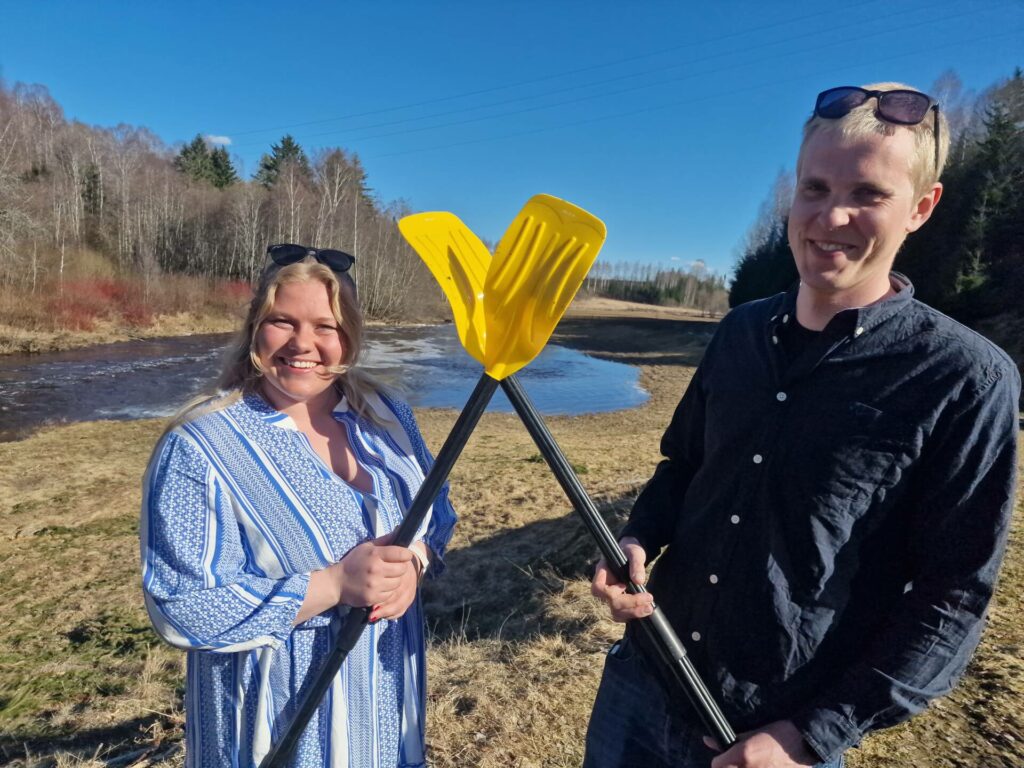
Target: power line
555 76
697 100
631 89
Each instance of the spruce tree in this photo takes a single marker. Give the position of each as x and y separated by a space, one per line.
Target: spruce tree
288 151
194 160
997 179
765 270
222 172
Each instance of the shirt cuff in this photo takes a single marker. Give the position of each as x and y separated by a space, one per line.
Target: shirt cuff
827 732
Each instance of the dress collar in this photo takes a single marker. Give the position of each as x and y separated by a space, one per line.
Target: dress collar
256 403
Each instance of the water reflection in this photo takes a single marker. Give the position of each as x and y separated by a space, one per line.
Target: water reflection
146 378
433 370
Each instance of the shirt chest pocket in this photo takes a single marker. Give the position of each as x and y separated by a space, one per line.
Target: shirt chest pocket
837 458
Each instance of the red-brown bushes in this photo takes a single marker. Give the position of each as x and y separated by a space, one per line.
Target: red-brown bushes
84 302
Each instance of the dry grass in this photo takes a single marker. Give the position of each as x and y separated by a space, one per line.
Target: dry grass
517 642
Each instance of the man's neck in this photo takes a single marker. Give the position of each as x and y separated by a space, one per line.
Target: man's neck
814 309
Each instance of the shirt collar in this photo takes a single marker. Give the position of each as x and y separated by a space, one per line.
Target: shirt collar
850 322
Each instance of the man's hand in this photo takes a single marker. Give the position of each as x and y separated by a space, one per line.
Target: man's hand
608 588
777 745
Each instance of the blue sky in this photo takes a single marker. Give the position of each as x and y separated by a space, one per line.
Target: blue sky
668 120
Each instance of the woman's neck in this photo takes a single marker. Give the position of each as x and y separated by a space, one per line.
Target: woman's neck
304 413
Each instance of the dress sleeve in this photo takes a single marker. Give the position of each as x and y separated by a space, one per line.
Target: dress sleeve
959 522
441 522
201 588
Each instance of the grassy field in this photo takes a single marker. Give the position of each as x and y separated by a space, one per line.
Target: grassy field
517 641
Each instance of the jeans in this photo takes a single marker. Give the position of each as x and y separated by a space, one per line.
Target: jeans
634 724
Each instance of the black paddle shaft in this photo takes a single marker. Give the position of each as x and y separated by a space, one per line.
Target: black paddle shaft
357 618
656 627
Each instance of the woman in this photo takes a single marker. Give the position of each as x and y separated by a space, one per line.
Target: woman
266 513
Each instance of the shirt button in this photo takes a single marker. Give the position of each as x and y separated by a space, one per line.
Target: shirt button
775 339
696 636
713 578
758 458
859 331
781 397
785 318
735 519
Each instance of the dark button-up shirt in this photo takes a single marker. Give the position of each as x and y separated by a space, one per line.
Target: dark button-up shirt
834 520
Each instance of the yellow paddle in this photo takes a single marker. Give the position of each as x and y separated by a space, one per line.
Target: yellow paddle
459 262
525 328
505 310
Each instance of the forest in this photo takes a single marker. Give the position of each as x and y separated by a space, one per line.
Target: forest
95 207
91 217
107 211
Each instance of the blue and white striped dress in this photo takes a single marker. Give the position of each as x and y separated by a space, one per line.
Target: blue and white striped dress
237 511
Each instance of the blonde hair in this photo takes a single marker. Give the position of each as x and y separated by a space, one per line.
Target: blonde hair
862 121
242 369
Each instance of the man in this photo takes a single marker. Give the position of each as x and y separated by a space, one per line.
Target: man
837 484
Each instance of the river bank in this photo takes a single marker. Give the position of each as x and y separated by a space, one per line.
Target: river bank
517 643
17 339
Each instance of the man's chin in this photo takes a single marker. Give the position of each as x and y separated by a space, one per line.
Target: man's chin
830 281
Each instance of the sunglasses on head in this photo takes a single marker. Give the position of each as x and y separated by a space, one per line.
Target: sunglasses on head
902 107
284 254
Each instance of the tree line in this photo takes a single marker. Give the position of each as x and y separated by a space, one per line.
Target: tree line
968 260
86 201
75 197
693 286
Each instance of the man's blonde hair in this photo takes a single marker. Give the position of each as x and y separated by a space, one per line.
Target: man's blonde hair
862 121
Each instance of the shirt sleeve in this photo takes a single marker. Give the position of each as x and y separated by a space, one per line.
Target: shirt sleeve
441 522
199 592
652 520
959 522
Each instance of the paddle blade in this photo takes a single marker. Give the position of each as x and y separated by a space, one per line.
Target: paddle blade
459 262
538 267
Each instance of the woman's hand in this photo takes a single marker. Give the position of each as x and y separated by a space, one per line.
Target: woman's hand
399 601
372 572
605 586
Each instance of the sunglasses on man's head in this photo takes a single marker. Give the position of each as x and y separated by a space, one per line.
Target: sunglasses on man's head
284 254
902 107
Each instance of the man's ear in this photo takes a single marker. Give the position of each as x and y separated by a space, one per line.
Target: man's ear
924 207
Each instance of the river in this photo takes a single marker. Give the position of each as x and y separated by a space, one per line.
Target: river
153 377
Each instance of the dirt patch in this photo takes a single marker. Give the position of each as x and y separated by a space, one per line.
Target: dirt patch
517 642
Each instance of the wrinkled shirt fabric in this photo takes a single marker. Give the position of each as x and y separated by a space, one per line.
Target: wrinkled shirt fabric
833 521
237 511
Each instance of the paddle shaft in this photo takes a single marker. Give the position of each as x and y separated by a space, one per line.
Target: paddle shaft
357 618
656 626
